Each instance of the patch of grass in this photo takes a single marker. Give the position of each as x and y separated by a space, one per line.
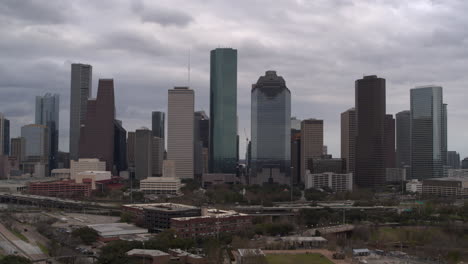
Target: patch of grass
19 235
43 248
297 259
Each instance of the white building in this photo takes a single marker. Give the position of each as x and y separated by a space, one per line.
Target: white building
94 176
60 173
338 182
414 186
86 165
458 173
160 185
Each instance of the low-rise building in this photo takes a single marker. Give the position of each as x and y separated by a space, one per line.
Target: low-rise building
60 174
457 173
211 223
209 179
161 185
337 182
305 242
445 187
181 256
150 256
249 256
112 231
94 176
86 165
414 186
66 188
158 216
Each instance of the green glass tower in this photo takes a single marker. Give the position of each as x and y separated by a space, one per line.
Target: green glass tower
223 110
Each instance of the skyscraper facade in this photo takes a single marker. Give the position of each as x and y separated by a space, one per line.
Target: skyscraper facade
18 148
157 156
158 124
97 132
181 102
427 132
390 153
201 141
80 92
120 146
143 153
223 110
311 143
36 140
453 159
271 130
403 139
131 149
47 114
4 135
370 137
348 138
296 154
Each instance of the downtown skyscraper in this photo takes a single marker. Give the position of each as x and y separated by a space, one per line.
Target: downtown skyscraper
370 133
223 110
180 125
80 92
97 132
403 140
428 132
47 114
4 135
348 139
271 131
157 124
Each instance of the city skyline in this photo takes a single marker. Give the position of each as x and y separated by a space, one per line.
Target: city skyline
311 95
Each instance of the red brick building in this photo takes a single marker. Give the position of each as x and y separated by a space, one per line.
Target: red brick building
212 223
67 189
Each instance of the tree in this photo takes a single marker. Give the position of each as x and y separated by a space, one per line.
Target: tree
11 259
86 234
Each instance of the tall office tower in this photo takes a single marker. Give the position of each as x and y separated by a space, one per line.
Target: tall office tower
131 149
18 148
370 134
223 110
295 123
444 135
97 133
296 154
311 142
157 156
4 135
201 141
120 146
390 153
453 159
36 140
47 114
427 132
143 153
157 124
403 139
271 131
348 139
80 92
181 101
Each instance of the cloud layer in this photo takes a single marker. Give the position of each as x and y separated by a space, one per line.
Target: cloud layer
319 47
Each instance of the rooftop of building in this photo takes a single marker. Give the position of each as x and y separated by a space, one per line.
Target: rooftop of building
451 179
181 252
117 229
212 213
161 206
94 172
147 252
248 252
87 160
161 179
304 239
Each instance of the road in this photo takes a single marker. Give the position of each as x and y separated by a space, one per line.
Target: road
326 253
13 243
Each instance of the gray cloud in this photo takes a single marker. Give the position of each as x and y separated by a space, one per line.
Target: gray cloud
319 47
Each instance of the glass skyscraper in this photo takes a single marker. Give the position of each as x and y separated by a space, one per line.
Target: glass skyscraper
403 139
47 114
271 130
428 132
157 124
223 110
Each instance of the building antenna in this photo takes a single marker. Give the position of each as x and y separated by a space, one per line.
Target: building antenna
188 68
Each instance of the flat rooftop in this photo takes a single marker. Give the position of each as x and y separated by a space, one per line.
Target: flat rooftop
147 252
250 252
212 213
304 239
169 207
117 229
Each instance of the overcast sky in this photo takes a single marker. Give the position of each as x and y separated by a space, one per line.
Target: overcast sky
320 47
